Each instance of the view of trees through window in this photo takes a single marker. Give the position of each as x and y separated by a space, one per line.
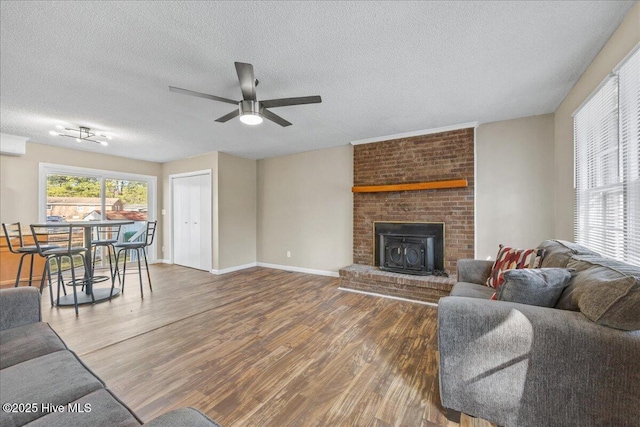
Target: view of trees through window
79 198
79 194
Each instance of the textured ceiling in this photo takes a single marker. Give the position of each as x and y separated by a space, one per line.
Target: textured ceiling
382 68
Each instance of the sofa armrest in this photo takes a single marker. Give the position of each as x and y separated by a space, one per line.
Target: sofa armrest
19 306
515 364
474 270
183 417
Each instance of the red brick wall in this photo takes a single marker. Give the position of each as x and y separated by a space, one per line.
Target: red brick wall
436 157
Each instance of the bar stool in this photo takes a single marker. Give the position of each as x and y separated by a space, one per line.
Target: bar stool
15 243
106 237
138 246
61 234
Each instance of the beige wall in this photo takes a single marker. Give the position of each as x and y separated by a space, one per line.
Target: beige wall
208 161
237 210
304 201
514 184
19 177
305 206
233 206
618 46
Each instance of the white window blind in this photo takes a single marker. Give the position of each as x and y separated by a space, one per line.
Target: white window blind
629 110
607 167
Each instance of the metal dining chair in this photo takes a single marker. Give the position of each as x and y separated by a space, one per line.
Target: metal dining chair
106 236
61 235
138 246
15 243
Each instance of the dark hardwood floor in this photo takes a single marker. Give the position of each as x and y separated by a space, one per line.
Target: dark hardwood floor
262 347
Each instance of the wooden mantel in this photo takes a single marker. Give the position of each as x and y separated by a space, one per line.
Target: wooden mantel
431 185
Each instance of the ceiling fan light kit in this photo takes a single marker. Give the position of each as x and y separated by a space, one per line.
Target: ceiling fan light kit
251 111
81 135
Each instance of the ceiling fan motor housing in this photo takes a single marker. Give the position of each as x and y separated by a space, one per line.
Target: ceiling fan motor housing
249 107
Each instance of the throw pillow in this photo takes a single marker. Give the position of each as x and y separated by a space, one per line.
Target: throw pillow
614 303
592 271
541 287
509 259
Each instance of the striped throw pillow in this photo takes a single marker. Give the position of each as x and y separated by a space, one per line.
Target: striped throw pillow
509 259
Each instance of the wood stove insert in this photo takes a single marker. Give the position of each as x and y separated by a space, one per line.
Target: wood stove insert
410 248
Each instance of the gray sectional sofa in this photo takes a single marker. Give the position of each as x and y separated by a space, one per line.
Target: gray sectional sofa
43 383
527 366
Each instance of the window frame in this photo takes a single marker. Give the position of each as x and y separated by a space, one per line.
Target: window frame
45 169
603 191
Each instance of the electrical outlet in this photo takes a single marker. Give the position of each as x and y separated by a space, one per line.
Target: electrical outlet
288 254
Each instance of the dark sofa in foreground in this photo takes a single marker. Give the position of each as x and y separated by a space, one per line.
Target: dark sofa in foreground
528 366
43 383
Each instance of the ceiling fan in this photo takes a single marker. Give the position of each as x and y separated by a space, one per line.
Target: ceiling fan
250 110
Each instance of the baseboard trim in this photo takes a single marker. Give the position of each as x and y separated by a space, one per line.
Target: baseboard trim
275 267
299 269
374 294
232 269
163 261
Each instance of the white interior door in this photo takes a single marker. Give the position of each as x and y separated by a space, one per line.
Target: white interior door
181 215
192 221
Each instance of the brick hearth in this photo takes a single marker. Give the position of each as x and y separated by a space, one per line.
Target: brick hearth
372 279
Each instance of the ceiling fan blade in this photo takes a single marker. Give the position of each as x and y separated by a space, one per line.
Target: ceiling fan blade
283 102
229 116
247 80
202 95
274 117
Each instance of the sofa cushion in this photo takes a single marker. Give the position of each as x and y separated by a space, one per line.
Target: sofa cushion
557 253
541 286
606 291
28 342
511 258
473 290
615 304
585 262
592 270
101 409
56 378
19 306
473 270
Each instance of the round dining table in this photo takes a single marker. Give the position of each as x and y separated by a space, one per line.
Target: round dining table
99 294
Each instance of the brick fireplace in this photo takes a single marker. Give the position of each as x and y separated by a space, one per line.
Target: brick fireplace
435 157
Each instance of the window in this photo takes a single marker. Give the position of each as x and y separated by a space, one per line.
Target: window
80 194
607 165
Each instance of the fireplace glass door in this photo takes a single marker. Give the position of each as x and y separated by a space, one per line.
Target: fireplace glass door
407 254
